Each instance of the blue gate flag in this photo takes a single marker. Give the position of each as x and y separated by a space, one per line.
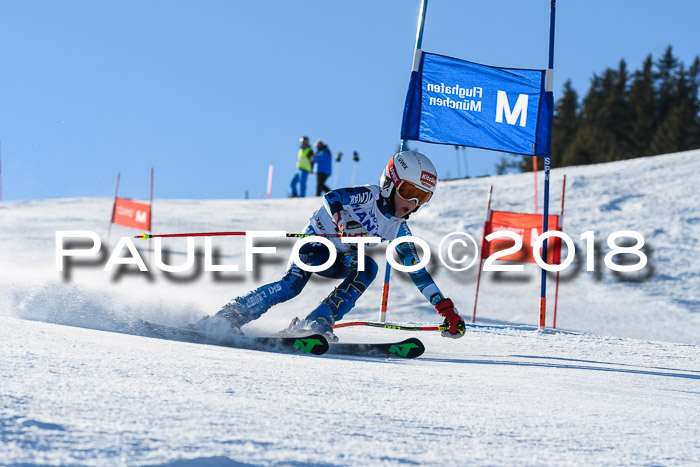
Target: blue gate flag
454 101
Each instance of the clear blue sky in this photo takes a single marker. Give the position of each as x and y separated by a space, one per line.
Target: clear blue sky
211 93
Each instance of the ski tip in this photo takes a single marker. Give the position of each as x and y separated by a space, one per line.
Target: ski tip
409 348
314 344
143 236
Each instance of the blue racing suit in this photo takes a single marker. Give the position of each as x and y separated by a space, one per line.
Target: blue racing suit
373 212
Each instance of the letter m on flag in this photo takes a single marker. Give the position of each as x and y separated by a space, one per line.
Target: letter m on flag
520 109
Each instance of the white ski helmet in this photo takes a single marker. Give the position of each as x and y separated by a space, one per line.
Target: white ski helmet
412 174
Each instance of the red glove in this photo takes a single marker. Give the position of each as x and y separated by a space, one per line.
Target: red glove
453 326
347 226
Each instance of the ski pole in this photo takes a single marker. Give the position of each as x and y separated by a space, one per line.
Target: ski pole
145 236
398 327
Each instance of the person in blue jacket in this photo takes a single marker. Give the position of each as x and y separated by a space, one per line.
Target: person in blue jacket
408 181
323 162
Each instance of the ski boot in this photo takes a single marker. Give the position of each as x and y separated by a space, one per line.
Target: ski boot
320 325
228 321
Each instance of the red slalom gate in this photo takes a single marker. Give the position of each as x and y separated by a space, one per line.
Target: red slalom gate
129 213
528 227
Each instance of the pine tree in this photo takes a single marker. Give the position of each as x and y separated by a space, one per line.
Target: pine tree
666 84
664 139
565 125
596 131
615 115
679 129
692 97
655 110
642 110
580 151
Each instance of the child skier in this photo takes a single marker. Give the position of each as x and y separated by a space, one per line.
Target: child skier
408 181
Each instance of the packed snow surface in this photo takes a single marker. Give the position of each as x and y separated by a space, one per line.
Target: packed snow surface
618 381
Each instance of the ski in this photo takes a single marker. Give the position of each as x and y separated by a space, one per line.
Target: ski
409 348
314 344
398 327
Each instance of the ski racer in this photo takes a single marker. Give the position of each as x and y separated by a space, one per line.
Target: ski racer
407 182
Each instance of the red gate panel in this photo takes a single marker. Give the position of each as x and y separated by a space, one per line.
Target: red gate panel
132 214
528 227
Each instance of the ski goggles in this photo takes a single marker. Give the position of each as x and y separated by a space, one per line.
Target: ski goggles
410 191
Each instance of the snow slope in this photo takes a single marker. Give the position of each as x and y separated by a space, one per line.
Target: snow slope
617 383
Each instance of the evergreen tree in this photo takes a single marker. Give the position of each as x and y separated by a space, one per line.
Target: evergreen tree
666 85
678 130
580 151
655 110
687 90
664 139
623 114
669 135
642 110
510 161
615 115
565 124
595 132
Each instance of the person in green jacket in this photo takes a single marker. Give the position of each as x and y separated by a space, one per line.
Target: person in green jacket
304 165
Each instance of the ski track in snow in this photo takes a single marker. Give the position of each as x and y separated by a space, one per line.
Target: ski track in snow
618 383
